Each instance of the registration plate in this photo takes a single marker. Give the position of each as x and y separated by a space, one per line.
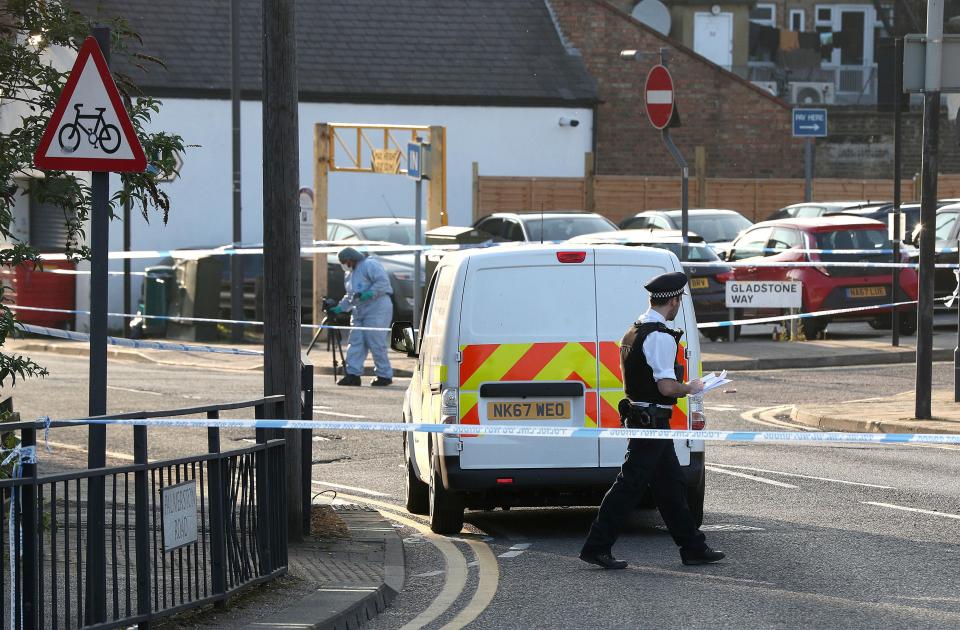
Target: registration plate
862 292
699 283
529 410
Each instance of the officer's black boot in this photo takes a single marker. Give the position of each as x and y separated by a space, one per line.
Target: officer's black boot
605 560
706 555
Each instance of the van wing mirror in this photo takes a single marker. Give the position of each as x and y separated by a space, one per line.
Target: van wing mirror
402 338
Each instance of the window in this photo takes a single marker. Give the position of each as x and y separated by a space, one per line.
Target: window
808 211
784 239
719 228
764 13
797 19
945 223
750 244
512 230
636 223
659 223
332 231
491 227
556 229
825 16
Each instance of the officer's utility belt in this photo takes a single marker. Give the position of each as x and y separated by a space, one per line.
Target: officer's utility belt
643 415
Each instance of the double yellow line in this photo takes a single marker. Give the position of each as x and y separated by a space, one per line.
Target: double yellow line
456 570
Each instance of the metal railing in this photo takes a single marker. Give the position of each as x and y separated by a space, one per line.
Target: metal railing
53 577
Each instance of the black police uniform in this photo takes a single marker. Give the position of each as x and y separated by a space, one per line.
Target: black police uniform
647 461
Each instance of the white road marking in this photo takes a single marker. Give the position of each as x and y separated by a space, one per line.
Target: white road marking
135 391
429 574
327 412
722 408
720 527
515 550
733 473
910 509
786 474
372 493
753 415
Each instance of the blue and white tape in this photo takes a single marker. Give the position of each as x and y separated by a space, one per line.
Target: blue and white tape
135 343
519 430
780 318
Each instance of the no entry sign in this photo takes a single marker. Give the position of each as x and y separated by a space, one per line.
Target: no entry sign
658 94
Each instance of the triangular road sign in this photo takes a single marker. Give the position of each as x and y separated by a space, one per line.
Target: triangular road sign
89 129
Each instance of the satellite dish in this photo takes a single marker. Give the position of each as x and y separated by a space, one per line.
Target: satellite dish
654 14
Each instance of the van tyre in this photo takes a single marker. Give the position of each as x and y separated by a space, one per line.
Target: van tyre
417 492
446 508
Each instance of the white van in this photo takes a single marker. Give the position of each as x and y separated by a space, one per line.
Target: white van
530 335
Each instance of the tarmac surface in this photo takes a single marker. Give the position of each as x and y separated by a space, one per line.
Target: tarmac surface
366 572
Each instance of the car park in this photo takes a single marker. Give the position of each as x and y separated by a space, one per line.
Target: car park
707 283
716 226
811 209
826 287
538 227
519 335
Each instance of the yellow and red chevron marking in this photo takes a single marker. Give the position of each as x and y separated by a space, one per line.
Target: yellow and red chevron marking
490 363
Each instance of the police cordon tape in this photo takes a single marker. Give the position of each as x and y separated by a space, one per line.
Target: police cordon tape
542 431
333 247
135 343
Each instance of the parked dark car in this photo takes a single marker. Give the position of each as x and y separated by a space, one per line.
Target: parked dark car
947 231
536 227
828 288
813 209
706 283
716 226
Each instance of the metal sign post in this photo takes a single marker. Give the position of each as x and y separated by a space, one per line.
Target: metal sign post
809 124
416 153
661 110
90 130
897 215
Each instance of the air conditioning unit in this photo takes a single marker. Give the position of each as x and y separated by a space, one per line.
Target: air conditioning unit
769 86
811 92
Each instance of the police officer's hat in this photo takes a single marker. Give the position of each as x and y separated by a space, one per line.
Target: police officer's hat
667 285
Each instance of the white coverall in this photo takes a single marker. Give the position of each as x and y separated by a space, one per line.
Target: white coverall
376 312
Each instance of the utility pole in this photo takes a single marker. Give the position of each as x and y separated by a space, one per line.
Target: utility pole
281 236
236 263
928 205
897 165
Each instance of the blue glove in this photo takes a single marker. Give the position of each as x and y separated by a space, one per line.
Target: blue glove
366 295
336 310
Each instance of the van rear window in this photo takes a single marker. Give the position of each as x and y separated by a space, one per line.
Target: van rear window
531 302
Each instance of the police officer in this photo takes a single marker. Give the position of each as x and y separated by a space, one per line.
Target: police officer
653 382
368 297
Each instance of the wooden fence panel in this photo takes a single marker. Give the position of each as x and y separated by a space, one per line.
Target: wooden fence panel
618 197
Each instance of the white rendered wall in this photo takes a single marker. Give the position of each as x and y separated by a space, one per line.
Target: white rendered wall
504 141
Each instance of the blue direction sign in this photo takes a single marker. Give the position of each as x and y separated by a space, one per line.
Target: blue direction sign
414 161
809 123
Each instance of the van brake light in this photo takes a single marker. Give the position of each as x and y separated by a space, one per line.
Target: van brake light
571 257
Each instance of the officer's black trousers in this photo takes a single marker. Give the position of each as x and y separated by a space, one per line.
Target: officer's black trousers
651 462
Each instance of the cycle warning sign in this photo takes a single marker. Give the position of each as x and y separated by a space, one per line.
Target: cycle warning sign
90 129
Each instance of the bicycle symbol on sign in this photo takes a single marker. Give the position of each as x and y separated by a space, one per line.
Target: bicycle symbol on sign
102 135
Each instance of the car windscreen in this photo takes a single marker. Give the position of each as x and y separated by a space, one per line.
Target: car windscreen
561 229
390 233
718 228
695 253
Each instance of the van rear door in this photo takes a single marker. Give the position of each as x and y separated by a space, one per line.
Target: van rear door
621 299
528 356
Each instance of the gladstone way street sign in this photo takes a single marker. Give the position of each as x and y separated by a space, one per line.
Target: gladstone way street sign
658 96
764 294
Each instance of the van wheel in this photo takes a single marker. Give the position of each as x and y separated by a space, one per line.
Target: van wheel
695 495
446 508
418 493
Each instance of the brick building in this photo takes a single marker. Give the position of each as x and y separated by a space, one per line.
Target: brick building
745 130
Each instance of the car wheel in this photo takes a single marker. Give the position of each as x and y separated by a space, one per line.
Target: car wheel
446 507
417 492
721 334
813 327
881 322
908 323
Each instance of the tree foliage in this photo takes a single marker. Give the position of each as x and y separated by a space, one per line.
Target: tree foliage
30 84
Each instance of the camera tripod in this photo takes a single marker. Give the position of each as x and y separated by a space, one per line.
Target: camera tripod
334 345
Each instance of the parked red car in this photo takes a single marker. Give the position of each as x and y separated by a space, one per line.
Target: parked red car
828 288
